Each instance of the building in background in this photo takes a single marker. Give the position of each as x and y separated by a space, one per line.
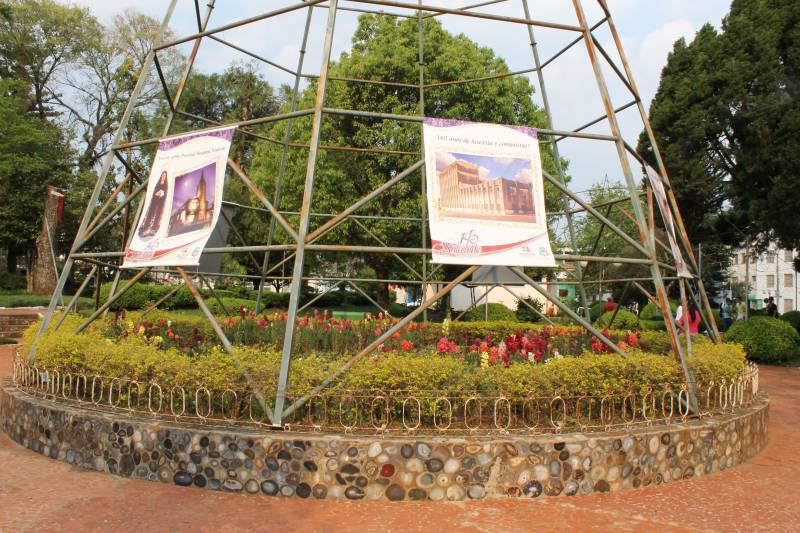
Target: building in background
770 273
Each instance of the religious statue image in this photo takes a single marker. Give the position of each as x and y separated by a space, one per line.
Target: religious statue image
152 219
193 201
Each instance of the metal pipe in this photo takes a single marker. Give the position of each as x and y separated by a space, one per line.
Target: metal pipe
113 298
75 297
294 297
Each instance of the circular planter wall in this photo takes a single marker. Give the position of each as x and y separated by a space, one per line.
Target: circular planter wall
315 465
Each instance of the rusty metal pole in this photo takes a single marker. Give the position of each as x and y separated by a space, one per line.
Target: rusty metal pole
423 183
635 201
305 210
661 168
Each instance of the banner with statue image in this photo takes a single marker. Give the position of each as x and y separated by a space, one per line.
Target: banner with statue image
485 194
182 201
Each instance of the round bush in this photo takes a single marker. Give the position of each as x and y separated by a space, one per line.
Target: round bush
765 339
793 318
525 313
596 310
624 320
497 311
653 312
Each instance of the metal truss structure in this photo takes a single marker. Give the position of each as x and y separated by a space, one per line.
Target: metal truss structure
305 238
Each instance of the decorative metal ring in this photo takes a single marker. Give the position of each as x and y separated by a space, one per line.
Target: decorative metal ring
91 395
649 399
233 404
535 401
197 402
583 423
629 400
111 393
683 400
64 393
130 395
419 413
348 428
508 411
670 395
150 397
384 422
442 427
563 422
466 413
78 387
172 401
723 396
317 424
606 405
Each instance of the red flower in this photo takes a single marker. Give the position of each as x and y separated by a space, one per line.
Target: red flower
406 345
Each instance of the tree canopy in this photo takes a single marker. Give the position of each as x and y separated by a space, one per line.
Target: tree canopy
386 49
726 119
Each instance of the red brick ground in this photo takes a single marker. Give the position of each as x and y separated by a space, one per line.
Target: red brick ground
763 494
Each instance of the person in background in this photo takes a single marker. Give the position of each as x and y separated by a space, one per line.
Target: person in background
726 313
610 305
741 310
772 309
694 318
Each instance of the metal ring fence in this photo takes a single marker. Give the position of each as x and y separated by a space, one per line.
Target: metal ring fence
393 412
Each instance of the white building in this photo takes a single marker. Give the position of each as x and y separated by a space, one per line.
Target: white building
767 274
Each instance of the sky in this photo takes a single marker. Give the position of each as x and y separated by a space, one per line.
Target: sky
647 28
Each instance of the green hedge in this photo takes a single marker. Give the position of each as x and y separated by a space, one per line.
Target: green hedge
497 312
143 295
525 313
653 312
793 318
13 282
765 339
590 374
623 320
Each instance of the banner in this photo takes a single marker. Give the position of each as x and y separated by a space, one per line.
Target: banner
666 213
182 201
485 194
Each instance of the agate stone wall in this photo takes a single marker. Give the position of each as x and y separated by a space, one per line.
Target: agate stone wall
308 465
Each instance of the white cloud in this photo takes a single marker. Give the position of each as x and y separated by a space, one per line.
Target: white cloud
657 44
443 159
483 172
524 175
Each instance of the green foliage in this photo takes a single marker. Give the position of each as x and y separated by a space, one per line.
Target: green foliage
653 312
793 318
12 282
652 325
591 374
496 312
726 119
765 339
624 320
596 310
525 313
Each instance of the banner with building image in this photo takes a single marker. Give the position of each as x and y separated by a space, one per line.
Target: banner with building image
660 196
182 201
485 194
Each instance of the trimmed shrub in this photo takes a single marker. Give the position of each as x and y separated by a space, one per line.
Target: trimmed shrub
765 339
525 313
13 282
652 312
497 312
793 318
652 325
624 320
591 374
596 310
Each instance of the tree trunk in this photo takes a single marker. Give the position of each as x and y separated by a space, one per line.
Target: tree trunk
43 271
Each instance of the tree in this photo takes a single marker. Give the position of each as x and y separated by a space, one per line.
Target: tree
33 154
385 48
726 119
38 38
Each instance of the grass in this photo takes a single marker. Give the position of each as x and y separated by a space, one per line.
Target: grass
22 299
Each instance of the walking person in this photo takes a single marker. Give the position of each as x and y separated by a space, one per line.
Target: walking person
772 309
726 313
741 309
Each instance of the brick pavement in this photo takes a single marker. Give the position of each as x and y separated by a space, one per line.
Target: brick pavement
762 494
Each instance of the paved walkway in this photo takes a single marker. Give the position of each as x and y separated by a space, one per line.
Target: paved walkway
763 494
